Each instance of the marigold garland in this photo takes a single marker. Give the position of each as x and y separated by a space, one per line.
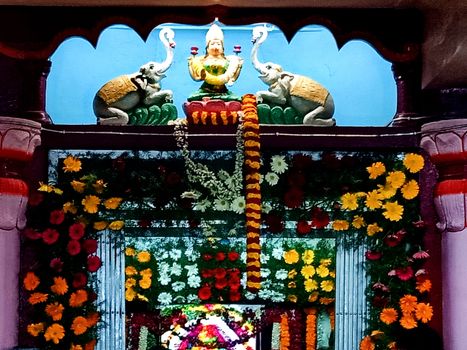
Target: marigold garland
253 191
311 328
285 333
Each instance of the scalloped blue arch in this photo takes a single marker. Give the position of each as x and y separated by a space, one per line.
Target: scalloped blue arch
359 79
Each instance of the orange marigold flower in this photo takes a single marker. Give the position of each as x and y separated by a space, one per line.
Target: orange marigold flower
112 203
367 343
143 256
340 225
36 298
116 225
55 310
99 186
79 325
376 169
78 186
78 298
31 281
76 347
60 286
413 162
35 329
71 164
423 285
408 322
388 315
424 312
408 303
90 345
54 333
91 203
291 256
100 225
92 319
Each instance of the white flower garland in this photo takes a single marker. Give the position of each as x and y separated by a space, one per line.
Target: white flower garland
143 338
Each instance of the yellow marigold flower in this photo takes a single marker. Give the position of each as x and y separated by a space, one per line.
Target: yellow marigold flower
376 169
325 262
395 178
326 301
35 329
358 222
100 225
130 270
112 203
79 325
424 312
386 191
310 285
142 297
60 286
71 164
292 284
36 298
423 285
291 256
327 285
76 347
388 315
145 283
332 274
349 201
393 211
373 229
91 203
413 162
78 186
367 344
130 251
308 271
373 200
54 333
408 322
146 272
99 186
54 310
31 281
116 225
322 271
340 225
143 256
308 256
292 298
130 282
408 303
69 207
410 189
130 294
292 274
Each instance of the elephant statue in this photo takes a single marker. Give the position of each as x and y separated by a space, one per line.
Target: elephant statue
116 98
310 99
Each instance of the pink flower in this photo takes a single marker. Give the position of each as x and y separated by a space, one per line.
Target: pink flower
50 236
56 264
373 255
421 254
420 272
392 273
32 234
404 273
378 286
76 231
73 247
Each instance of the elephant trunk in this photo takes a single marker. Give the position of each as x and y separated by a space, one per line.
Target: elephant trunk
259 36
166 36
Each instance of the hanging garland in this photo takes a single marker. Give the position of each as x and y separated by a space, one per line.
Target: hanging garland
311 328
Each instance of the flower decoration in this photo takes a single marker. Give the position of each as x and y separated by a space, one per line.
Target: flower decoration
60 227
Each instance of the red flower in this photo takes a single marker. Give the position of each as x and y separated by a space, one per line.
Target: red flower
90 246
76 231
235 295
392 240
319 218
234 282
274 223
206 273
235 272
404 273
233 256
50 236
293 198
207 257
220 283
73 247
56 264
220 256
32 234
94 263
303 227
56 217
204 293
373 255
220 273
79 280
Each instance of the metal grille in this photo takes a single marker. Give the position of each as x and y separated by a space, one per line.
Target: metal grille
111 293
351 306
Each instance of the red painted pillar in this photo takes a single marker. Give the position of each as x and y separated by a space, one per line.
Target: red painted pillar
18 139
446 143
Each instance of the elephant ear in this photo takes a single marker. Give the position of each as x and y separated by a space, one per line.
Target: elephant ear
286 76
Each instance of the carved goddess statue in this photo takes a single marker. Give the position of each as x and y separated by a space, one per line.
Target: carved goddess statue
215 69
